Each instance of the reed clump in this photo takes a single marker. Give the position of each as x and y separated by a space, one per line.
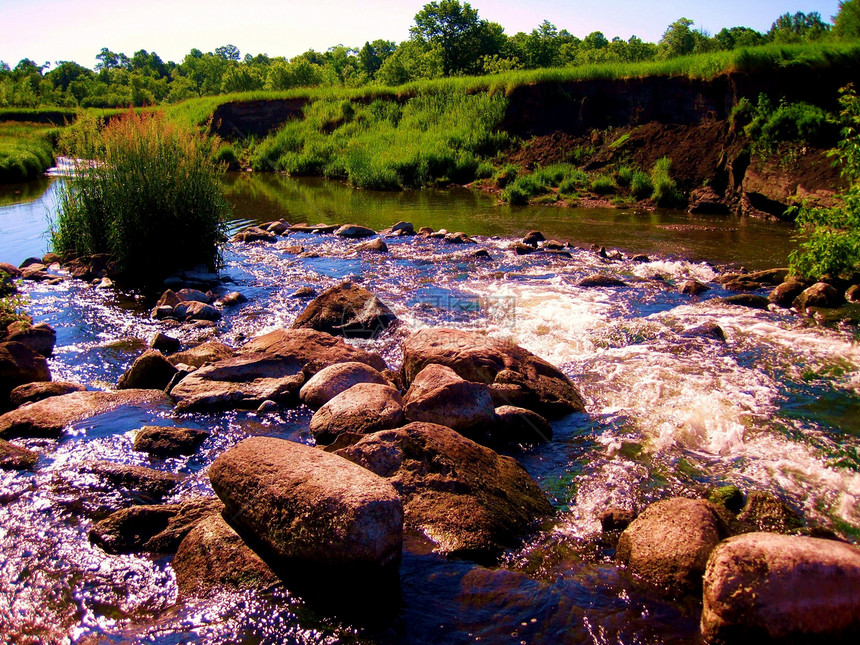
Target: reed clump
149 194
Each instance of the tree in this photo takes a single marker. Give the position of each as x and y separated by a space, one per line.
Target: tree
456 31
228 52
109 60
736 37
846 23
799 27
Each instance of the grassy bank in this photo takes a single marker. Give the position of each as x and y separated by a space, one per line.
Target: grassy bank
26 150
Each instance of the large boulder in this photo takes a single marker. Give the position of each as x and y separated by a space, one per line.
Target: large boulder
19 364
668 545
785 294
516 376
167 441
32 392
311 510
213 556
149 371
195 310
314 349
820 294
346 310
467 499
208 352
40 337
769 588
155 528
438 395
334 379
48 417
363 408
243 381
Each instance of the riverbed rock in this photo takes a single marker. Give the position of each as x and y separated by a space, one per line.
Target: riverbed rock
346 310
668 545
165 344
149 371
314 349
168 441
532 238
601 280
374 246
19 364
705 330
467 499
515 375
32 392
769 588
10 270
40 337
253 234
232 299
208 352
145 485
334 379
693 288
14 457
615 519
168 299
48 417
195 310
402 228
310 509
522 249
192 295
213 556
439 395
242 381
304 292
515 425
764 511
785 294
153 528
820 294
749 300
363 408
354 231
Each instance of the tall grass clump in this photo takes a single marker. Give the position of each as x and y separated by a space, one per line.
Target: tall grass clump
150 196
665 191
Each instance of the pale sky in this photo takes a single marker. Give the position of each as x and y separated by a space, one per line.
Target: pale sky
56 30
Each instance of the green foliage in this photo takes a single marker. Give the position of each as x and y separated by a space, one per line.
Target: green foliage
846 24
603 185
665 191
523 188
26 151
624 175
573 181
767 125
829 238
152 199
641 185
506 174
485 170
11 305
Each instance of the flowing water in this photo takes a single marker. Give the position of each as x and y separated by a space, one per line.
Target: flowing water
773 408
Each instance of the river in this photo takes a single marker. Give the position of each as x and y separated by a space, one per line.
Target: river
775 408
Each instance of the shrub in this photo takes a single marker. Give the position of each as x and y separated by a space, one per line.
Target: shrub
641 185
506 175
666 191
523 189
153 201
572 182
624 176
485 170
603 185
226 154
767 125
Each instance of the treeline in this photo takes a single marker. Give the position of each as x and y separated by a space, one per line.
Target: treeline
448 38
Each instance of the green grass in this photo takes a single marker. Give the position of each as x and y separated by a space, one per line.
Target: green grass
26 150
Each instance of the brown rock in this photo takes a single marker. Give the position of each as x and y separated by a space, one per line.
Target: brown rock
166 441
354 231
438 395
363 408
310 509
213 556
14 457
41 337
693 288
668 545
515 425
314 349
601 280
334 379
533 237
765 512
615 520
786 293
232 299
522 249
208 352
768 588
48 417
165 344
19 364
749 300
151 528
346 310
820 294
192 295
144 484
518 377
705 200
852 294
464 497
168 299
10 270
32 392
253 234
195 310
149 371
374 246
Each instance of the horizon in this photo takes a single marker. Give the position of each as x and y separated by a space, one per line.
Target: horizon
36 29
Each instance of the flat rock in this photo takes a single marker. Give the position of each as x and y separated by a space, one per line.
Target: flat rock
467 499
346 310
208 352
354 231
19 364
438 395
213 557
154 528
314 349
308 508
769 588
515 375
167 441
149 371
601 280
334 379
48 417
144 484
363 408
668 545
32 392
14 457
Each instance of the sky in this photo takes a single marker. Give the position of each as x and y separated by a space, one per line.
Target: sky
62 30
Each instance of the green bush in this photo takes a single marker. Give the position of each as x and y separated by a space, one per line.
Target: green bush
767 125
485 170
665 191
506 174
641 185
572 182
603 185
523 189
624 176
153 201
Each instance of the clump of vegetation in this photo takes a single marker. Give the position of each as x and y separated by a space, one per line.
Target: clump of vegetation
26 151
603 185
767 124
11 305
665 189
830 237
641 185
150 196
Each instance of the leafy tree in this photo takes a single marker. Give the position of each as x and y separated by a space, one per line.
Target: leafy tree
846 23
736 37
228 52
799 27
595 40
109 60
65 72
456 31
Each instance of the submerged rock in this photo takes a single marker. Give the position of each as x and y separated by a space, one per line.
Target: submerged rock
346 310
768 588
144 484
167 441
32 392
311 510
668 545
601 280
765 512
334 379
515 375
746 300
363 408
14 457
149 371
468 500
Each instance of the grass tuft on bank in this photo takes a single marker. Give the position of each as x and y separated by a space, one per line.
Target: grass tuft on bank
26 150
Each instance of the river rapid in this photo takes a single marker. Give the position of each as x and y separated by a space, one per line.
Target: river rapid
776 407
